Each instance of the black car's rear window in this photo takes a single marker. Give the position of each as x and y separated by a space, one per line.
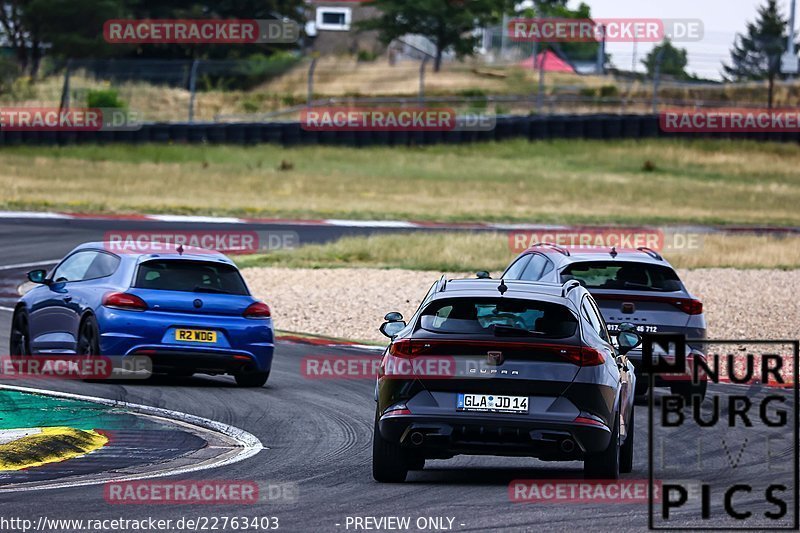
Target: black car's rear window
499 317
623 276
190 276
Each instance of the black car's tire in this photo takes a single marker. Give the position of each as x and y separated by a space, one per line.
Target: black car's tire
19 338
252 379
626 450
88 337
416 462
390 462
688 390
604 465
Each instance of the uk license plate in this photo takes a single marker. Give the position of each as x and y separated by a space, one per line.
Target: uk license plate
195 335
492 403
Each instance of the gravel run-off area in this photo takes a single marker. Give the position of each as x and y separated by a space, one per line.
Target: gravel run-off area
350 302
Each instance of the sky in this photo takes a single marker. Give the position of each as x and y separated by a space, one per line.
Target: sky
722 19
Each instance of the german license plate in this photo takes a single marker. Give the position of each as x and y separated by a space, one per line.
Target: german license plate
195 335
492 403
613 328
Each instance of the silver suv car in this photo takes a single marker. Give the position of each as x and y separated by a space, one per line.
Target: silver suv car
635 286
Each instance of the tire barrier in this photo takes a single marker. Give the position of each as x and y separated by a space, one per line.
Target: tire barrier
534 128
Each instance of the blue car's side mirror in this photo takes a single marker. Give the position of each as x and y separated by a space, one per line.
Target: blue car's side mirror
38 276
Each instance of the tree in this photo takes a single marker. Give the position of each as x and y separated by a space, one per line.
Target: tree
575 51
449 24
74 28
756 55
672 60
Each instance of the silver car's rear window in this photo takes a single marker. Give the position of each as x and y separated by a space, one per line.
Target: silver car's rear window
619 275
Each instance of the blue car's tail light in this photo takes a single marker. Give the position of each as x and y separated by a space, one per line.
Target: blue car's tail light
123 300
258 310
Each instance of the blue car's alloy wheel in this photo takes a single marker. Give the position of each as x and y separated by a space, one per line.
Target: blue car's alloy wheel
20 340
89 338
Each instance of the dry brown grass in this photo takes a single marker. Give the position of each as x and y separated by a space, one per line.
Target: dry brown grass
450 252
560 181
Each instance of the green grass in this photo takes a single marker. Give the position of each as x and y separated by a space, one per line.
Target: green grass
471 252
566 181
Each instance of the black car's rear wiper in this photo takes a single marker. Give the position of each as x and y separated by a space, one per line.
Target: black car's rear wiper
211 290
643 286
511 331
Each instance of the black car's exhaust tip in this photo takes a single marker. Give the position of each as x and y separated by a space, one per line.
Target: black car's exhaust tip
417 438
567 445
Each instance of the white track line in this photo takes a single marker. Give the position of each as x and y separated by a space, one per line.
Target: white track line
190 218
25 265
32 214
249 443
371 223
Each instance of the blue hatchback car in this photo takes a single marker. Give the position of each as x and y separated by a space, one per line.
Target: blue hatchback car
189 310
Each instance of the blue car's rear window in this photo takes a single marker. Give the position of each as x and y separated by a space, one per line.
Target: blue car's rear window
190 276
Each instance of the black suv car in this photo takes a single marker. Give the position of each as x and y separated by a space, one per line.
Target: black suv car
504 368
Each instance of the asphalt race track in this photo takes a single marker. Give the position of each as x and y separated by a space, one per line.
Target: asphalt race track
318 434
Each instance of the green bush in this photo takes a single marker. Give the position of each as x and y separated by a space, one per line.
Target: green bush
366 56
9 74
104 98
609 91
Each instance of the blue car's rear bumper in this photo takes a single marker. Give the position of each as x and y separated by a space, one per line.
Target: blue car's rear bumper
241 343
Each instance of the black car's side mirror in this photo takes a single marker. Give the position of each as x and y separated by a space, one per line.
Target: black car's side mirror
483 275
38 276
627 341
393 325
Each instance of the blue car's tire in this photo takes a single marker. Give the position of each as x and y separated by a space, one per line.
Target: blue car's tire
88 337
19 339
252 379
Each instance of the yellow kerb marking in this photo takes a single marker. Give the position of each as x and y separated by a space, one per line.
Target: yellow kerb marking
52 445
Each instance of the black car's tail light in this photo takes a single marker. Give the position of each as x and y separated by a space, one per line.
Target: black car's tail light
258 310
587 419
124 300
576 355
